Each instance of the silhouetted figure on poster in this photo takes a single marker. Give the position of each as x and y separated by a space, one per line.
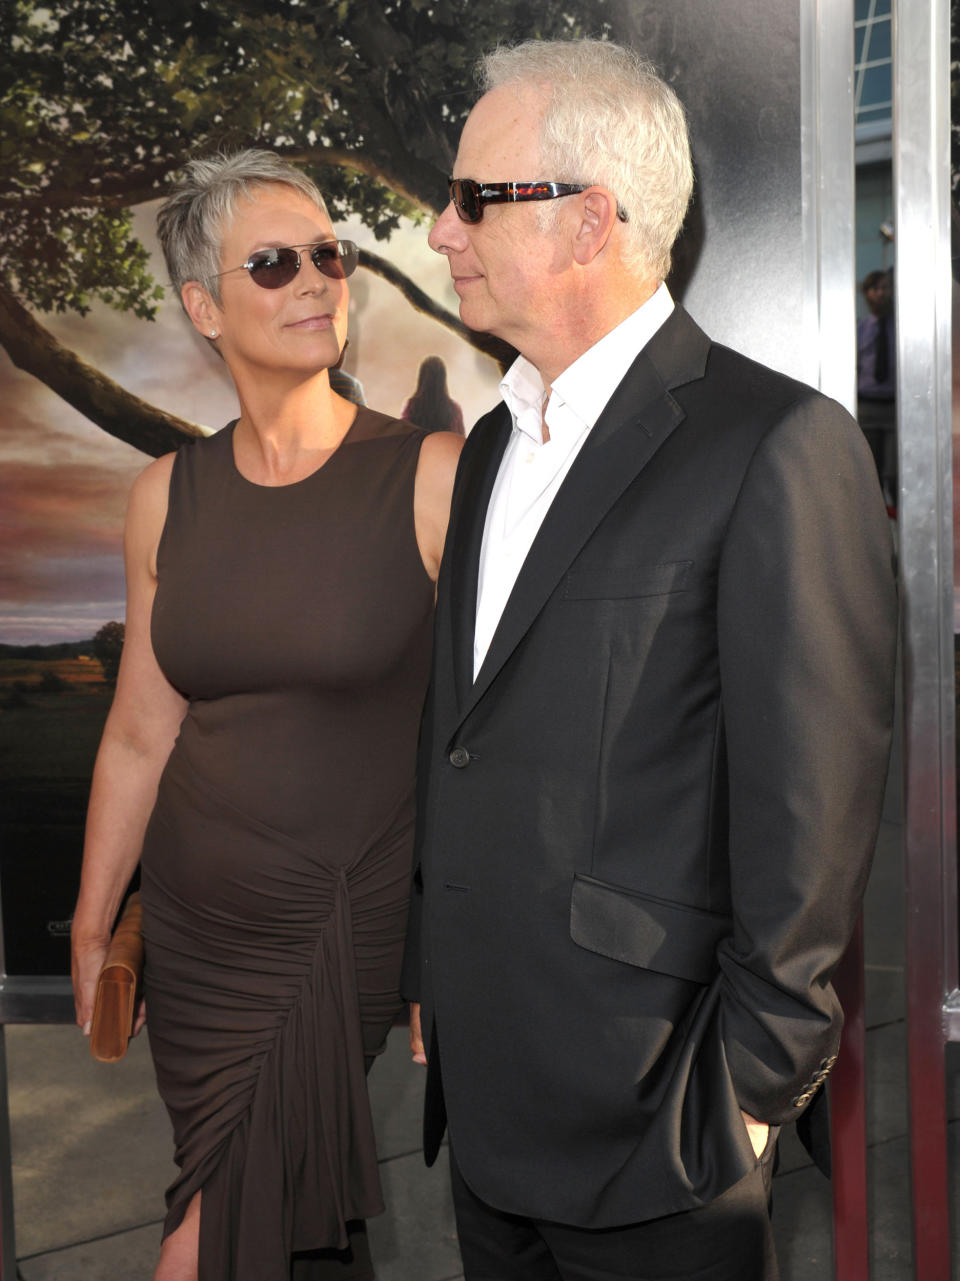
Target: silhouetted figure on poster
430 406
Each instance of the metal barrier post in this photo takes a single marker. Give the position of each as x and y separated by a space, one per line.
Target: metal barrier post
8 1249
923 284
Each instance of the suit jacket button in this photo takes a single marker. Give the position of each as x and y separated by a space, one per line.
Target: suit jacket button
460 758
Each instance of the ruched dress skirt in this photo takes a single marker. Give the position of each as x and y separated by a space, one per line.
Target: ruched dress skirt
275 872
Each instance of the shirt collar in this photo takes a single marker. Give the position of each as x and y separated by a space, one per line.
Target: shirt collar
522 389
584 387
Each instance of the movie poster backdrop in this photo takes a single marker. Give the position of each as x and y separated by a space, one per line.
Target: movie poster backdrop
100 113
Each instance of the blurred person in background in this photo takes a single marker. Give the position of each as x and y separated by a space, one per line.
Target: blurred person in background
877 378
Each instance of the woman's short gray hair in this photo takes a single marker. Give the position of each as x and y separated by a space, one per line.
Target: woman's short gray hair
610 120
191 220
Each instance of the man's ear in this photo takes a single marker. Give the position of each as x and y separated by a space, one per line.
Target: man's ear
598 219
201 309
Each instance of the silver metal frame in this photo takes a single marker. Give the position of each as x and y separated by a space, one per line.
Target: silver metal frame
35 999
923 294
923 299
8 1248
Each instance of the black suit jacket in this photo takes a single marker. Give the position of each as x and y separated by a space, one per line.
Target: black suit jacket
645 829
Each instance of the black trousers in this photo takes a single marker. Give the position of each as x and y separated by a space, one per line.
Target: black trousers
728 1240
878 422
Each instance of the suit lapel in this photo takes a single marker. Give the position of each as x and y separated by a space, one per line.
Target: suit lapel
488 440
638 418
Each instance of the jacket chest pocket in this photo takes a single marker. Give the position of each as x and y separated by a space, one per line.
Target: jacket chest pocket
627 583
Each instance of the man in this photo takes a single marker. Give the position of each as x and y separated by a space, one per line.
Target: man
877 379
655 748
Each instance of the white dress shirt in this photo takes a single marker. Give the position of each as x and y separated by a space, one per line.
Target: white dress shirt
532 469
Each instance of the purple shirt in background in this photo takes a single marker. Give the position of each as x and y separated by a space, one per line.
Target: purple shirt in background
868 388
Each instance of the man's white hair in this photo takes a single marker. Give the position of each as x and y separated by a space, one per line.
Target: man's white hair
610 120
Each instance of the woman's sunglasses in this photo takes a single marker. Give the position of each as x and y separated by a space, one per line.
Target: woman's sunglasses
274 268
469 197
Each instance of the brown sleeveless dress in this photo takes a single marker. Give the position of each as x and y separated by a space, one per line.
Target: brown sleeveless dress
275 872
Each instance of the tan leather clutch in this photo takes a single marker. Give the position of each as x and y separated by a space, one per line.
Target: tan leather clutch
115 1005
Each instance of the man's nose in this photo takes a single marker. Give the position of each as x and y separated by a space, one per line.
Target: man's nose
447 234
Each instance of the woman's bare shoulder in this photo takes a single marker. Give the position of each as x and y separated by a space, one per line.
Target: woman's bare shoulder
154 479
147 508
439 455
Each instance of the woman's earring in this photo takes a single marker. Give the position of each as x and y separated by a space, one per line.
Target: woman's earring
213 333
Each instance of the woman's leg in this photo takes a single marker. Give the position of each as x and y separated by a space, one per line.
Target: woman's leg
178 1254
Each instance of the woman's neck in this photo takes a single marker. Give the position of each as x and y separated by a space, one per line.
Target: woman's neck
285 433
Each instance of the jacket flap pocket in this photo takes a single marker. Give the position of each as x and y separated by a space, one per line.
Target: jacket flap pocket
622 583
644 931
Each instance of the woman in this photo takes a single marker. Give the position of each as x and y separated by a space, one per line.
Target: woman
430 405
260 748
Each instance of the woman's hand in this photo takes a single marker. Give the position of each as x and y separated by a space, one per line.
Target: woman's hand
86 966
87 960
416 1035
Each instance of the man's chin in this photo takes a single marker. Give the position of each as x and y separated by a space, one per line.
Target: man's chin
473 317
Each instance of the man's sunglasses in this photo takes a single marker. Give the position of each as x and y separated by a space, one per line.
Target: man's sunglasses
469 197
274 268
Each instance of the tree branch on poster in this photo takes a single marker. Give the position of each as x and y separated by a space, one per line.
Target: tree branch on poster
35 350
104 101
120 190
500 351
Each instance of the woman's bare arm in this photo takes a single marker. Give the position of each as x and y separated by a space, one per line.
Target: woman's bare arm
137 738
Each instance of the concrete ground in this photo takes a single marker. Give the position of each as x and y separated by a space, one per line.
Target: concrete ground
92 1147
